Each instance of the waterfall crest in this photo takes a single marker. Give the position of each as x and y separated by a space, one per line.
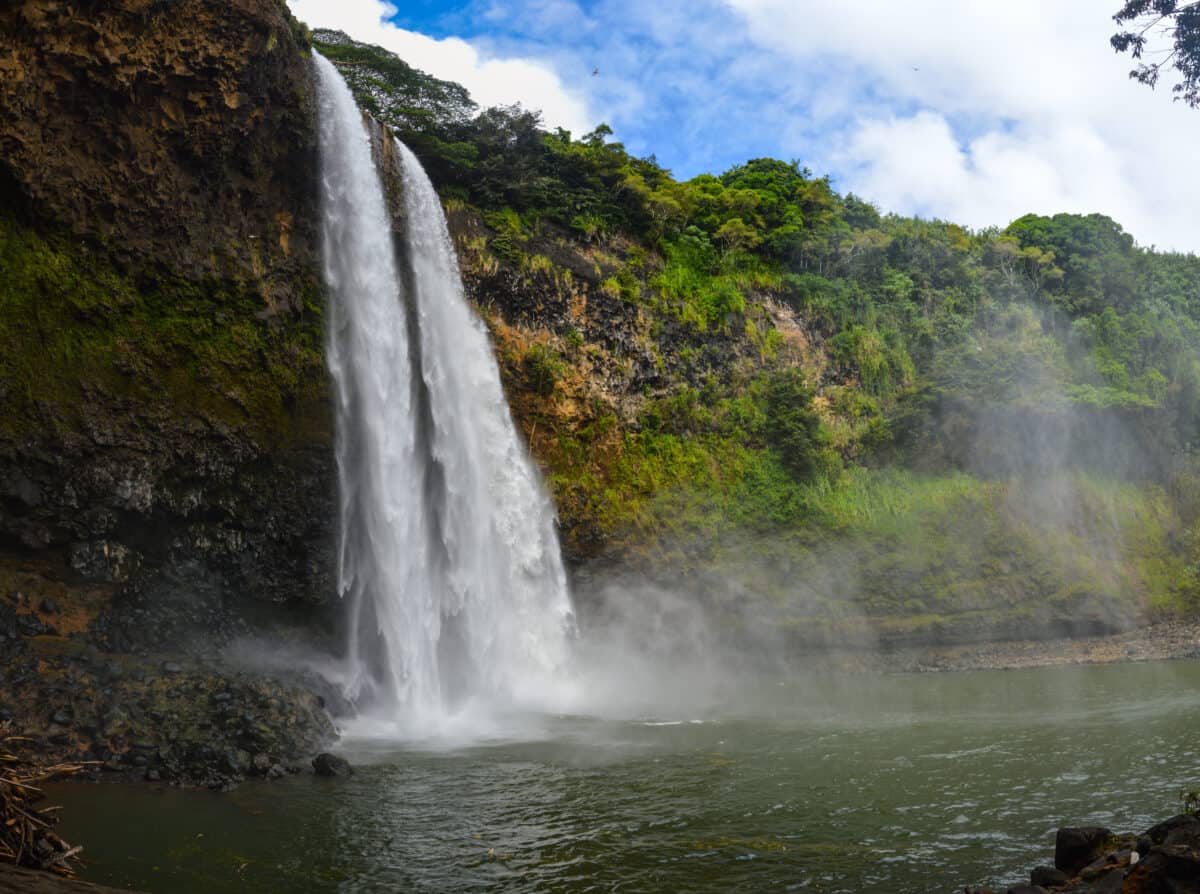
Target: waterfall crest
448 557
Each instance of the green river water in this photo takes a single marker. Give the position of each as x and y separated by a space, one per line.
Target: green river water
920 783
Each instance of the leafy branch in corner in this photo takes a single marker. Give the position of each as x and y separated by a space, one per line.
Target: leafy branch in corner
1161 35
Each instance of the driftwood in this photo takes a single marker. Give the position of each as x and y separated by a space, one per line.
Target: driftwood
26 832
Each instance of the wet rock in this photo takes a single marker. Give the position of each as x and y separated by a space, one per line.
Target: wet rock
104 560
1112 882
21 490
1184 823
171 667
1075 848
8 623
1168 868
1027 889
237 761
326 764
1048 877
31 625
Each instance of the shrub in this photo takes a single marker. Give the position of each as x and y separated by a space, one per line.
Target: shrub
544 368
793 428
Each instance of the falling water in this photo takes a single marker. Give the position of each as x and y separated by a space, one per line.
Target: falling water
448 560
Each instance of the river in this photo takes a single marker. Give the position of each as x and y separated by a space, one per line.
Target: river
826 783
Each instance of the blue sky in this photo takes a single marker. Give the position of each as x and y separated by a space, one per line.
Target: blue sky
970 110
661 74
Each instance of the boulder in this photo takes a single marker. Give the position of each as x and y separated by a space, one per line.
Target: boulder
326 764
1169 868
1185 821
1075 848
1048 877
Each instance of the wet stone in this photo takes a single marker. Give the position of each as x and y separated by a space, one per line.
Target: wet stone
331 765
1048 876
1075 848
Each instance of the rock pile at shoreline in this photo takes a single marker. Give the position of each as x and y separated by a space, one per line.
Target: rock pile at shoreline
1165 859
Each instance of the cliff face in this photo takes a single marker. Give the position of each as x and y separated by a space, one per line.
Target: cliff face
175 133
165 461
166 473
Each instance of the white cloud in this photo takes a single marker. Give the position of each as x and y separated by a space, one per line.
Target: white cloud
490 80
980 111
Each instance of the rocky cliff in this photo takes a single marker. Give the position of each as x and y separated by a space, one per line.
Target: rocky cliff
165 393
165 446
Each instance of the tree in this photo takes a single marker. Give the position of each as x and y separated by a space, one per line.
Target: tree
793 427
1164 34
735 234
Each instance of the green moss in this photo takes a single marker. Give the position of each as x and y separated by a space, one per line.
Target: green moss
71 323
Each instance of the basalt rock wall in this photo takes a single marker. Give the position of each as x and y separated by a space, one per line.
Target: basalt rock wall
165 446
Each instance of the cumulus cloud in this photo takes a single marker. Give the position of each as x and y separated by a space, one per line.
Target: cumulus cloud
980 112
491 80
971 110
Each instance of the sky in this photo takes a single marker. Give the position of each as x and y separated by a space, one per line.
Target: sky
969 110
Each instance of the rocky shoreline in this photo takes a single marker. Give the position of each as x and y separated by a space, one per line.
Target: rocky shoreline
1164 859
159 718
1164 641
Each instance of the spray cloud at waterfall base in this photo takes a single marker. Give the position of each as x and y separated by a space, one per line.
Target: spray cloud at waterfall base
449 562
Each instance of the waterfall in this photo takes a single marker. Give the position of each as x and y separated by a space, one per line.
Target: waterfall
448 556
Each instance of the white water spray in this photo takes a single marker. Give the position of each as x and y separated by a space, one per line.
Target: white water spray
449 559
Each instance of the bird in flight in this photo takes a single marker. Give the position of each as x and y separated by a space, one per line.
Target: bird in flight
595 71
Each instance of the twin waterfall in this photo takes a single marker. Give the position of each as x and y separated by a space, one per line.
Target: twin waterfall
449 560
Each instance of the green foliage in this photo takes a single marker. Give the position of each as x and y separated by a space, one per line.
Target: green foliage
879 359
1191 802
1097 258
793 428
1179 22
544 368
392 90
703 284
1009 357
